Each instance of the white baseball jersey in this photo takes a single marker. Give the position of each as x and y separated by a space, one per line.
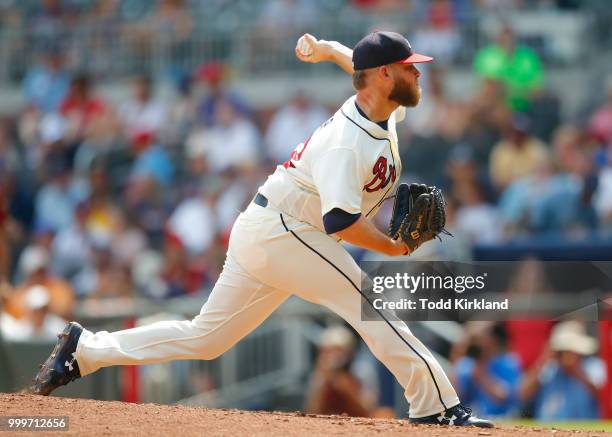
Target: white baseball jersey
349 162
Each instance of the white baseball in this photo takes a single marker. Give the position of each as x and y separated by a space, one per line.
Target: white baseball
304 47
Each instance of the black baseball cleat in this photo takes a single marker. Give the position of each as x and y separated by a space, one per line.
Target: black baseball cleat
61 367
455 416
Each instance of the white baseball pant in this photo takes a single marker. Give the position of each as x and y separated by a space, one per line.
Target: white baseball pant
271 256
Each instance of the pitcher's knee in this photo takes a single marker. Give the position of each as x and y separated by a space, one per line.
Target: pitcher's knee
209 342
209 354
384 349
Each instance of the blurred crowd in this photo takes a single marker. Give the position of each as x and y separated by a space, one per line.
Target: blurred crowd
136 196
511 165
553 376
117 37
535 369
140 195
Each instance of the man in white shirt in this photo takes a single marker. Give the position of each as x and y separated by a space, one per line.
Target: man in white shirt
287 242
292 124
142 112
231 142
38 324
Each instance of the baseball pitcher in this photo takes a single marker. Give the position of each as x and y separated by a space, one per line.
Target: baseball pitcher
287 242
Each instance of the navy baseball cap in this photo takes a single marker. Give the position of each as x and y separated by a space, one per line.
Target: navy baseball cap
384 48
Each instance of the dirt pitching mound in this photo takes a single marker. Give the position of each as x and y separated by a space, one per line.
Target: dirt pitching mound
88 417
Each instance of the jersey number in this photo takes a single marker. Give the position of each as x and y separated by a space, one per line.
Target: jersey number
380 179
296 155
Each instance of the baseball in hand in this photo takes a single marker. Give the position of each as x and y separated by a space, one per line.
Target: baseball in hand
304 45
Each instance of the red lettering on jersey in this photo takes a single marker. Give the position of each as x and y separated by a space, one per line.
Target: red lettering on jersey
296 155
380 179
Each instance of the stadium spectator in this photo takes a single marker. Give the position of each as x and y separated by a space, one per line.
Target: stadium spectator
142 113
40 237
463 173
182 112
56 200
104 24
476 219
173 272
146 272
181 273
128 239
487 116
532 203
50 21
194 166
193 221
151 159
438 115
10 159
38 323
149 206
381 6
53 147
487 374
291 125
432 130
603 197
517 155
5 253
5 248
516 66
232 142
214 76
334 389
44 142
545 113
43 324
72 245
11 18
600 123
46 84
81 109
171 22
286 16
567 147
552 199
527 338
439 36
565 381
9 325
103 277
574 159
102 209
166 29
35 265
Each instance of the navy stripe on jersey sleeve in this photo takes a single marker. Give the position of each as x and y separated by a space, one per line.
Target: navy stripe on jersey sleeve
337 219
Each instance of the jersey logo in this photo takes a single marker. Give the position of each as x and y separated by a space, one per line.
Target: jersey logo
381 179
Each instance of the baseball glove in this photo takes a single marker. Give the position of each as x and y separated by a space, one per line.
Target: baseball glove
418 215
